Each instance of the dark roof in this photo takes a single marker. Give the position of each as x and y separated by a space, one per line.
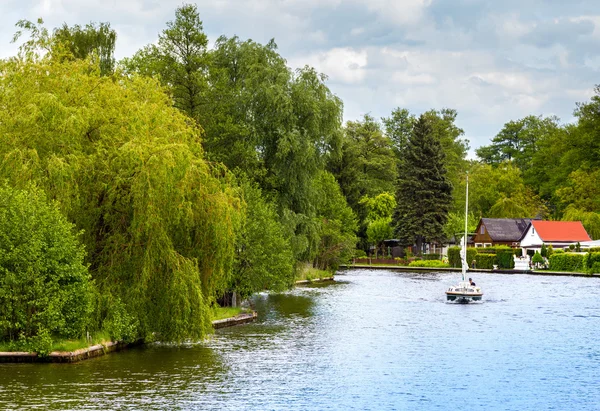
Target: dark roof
505 229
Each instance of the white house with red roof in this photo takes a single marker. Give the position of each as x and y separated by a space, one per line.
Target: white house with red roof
559 234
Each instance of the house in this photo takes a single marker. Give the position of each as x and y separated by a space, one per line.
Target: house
558 234
500 231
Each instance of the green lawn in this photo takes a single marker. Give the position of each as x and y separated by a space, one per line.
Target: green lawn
220 313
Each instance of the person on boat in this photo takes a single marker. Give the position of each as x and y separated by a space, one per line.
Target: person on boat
471 282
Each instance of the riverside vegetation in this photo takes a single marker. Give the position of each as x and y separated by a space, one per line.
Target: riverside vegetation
143 191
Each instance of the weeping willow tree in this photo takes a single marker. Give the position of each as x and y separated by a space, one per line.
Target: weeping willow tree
127 169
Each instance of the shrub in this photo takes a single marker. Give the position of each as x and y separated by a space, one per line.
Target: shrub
358 253
569 262
454 256
45 289
485 261
432 256
537 258
429 264
592 260
504 257
544 252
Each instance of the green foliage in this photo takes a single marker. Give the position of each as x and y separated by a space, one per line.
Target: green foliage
544 251
432 256
455 225
264 258
504 256
424 193
178 60
569 262
537 258
97 42
499 192
45 287
589 219
485 261
379 218
128 169
454 256
429 264
337 224
592 262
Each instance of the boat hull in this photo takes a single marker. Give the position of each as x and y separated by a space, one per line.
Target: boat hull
463 298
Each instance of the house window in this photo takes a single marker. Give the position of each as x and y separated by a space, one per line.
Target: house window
482 231
478 245
487 244
532 231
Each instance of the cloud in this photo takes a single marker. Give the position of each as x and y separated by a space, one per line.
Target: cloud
342 65
492 61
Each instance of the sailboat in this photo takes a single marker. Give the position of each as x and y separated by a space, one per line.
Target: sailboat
464 292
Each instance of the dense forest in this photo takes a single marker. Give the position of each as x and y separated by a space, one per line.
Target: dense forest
137 193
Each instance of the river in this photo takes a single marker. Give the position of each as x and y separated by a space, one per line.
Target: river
373 340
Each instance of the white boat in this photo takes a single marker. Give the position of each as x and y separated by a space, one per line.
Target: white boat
465 291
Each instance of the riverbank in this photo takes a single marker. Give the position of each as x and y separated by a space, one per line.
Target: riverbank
98 350
478 270
314 280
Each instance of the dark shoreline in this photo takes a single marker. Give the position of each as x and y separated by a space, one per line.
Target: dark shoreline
458 270
102 349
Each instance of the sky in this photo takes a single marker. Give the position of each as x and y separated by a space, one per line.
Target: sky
492 61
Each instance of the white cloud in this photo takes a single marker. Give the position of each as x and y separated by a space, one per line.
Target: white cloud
343 65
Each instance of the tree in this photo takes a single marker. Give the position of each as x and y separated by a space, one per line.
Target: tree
179 60
499 192
128 170
264 258
455 225
589 219
367 166
444 128
398 128
379 218
424 193
91 40
337 224
45 288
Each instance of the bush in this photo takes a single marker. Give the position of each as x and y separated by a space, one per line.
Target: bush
592 262
537 258
432 256
504 256
358 253
429 264
568 262
454 256
45 289
485 261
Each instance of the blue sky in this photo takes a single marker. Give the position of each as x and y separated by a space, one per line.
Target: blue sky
491 61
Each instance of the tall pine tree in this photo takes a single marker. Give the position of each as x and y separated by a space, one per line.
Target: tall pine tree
424 193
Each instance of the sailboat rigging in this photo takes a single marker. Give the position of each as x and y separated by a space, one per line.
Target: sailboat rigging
465 291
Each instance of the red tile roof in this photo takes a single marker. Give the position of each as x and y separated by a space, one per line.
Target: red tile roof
560 230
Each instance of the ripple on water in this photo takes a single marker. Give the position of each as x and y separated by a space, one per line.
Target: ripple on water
376 340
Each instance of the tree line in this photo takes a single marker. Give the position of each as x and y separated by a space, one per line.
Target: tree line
186 173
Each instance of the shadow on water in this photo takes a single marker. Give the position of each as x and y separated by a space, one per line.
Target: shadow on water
283 305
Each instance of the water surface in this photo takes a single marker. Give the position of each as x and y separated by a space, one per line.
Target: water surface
374 340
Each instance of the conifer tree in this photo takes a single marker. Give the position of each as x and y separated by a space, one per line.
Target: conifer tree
424 193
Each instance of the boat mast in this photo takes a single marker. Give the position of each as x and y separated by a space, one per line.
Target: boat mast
464 269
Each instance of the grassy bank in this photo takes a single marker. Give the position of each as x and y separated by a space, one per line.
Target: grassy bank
220 313
63 345
307 272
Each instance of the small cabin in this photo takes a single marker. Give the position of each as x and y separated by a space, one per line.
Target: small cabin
500 231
